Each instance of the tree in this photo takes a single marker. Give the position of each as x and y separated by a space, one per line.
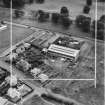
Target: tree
66 22
89 2
18 13
86 25
102 18
15 3
100 34
64 11
7 3
40 1
83 22
101 0
86 9
79 20
31 1
41 16
100 29
55 17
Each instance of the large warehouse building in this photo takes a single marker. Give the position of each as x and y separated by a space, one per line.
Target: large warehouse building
67 52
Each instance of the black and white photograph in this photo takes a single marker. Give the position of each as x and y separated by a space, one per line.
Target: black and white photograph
52 52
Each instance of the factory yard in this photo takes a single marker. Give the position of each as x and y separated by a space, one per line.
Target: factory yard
45 64
39 51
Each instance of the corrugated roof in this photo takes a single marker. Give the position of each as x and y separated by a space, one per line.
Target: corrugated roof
63 50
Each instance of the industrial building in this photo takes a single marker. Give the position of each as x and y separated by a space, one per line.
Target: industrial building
66 52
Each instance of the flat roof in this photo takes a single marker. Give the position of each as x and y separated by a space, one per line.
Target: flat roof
64 50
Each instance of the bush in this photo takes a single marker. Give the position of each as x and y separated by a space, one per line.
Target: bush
86 9
55 17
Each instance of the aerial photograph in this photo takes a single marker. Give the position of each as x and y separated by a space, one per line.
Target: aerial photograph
52 52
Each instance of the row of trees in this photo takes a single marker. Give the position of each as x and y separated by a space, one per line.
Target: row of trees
15 3
19 3
101 0
84 23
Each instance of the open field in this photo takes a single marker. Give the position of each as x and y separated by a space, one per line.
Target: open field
75 8
18 34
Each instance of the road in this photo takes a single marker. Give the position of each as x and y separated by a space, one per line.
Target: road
37 90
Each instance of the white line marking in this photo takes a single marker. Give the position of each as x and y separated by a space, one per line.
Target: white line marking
63 79
95 78
11 43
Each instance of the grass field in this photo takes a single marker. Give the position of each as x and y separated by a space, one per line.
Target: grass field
83 91
18 34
